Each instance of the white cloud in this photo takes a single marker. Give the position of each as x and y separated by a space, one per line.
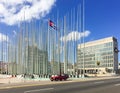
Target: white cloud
12 11
3 37
75 36
14 33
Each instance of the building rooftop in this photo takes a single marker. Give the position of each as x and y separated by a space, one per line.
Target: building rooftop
97 42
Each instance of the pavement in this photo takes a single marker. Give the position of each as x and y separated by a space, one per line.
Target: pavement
15 82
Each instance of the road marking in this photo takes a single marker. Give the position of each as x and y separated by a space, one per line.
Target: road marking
38 90
117 85
98 82
8 87
20 86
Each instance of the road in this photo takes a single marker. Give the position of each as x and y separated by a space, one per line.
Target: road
95 86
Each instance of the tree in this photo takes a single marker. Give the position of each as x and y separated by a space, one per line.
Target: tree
98 64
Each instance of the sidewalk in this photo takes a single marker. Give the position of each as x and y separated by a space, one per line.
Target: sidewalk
16 82
19 80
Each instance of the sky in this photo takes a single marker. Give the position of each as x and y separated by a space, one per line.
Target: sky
102 17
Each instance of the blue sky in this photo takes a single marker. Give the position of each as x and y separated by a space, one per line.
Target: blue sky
102 17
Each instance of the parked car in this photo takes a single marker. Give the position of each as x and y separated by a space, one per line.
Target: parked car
59 77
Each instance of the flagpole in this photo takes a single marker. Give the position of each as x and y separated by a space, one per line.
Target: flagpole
79 22
2 53
58 31
65 50
62 59
74 39
83 38
77 28
53 53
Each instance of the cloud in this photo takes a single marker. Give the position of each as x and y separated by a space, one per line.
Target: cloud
13 12
14 33
75 35
3 37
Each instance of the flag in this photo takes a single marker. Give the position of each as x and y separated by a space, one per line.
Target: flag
51 24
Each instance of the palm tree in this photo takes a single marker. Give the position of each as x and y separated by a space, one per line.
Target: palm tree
98 64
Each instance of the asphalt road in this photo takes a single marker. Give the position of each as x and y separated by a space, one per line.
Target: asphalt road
95 86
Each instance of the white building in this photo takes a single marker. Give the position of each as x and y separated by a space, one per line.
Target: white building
103 51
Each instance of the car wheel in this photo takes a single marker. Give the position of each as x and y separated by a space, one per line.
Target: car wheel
56 79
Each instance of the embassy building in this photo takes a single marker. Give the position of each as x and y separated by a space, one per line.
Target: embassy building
99 56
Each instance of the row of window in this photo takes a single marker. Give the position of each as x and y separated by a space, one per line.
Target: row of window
105 45
92 66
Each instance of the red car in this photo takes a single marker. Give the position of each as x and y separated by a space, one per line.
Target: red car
59 77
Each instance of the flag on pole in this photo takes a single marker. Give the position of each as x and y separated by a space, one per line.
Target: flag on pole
51 24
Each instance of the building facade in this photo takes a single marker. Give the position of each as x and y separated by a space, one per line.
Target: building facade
3 67
35 62
98 56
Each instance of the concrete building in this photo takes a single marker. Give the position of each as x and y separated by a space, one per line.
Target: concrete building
119 65
56 68
3 67
99 56
12 68
35 61
70 68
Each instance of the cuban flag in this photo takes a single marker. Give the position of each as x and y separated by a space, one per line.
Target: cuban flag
51 24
